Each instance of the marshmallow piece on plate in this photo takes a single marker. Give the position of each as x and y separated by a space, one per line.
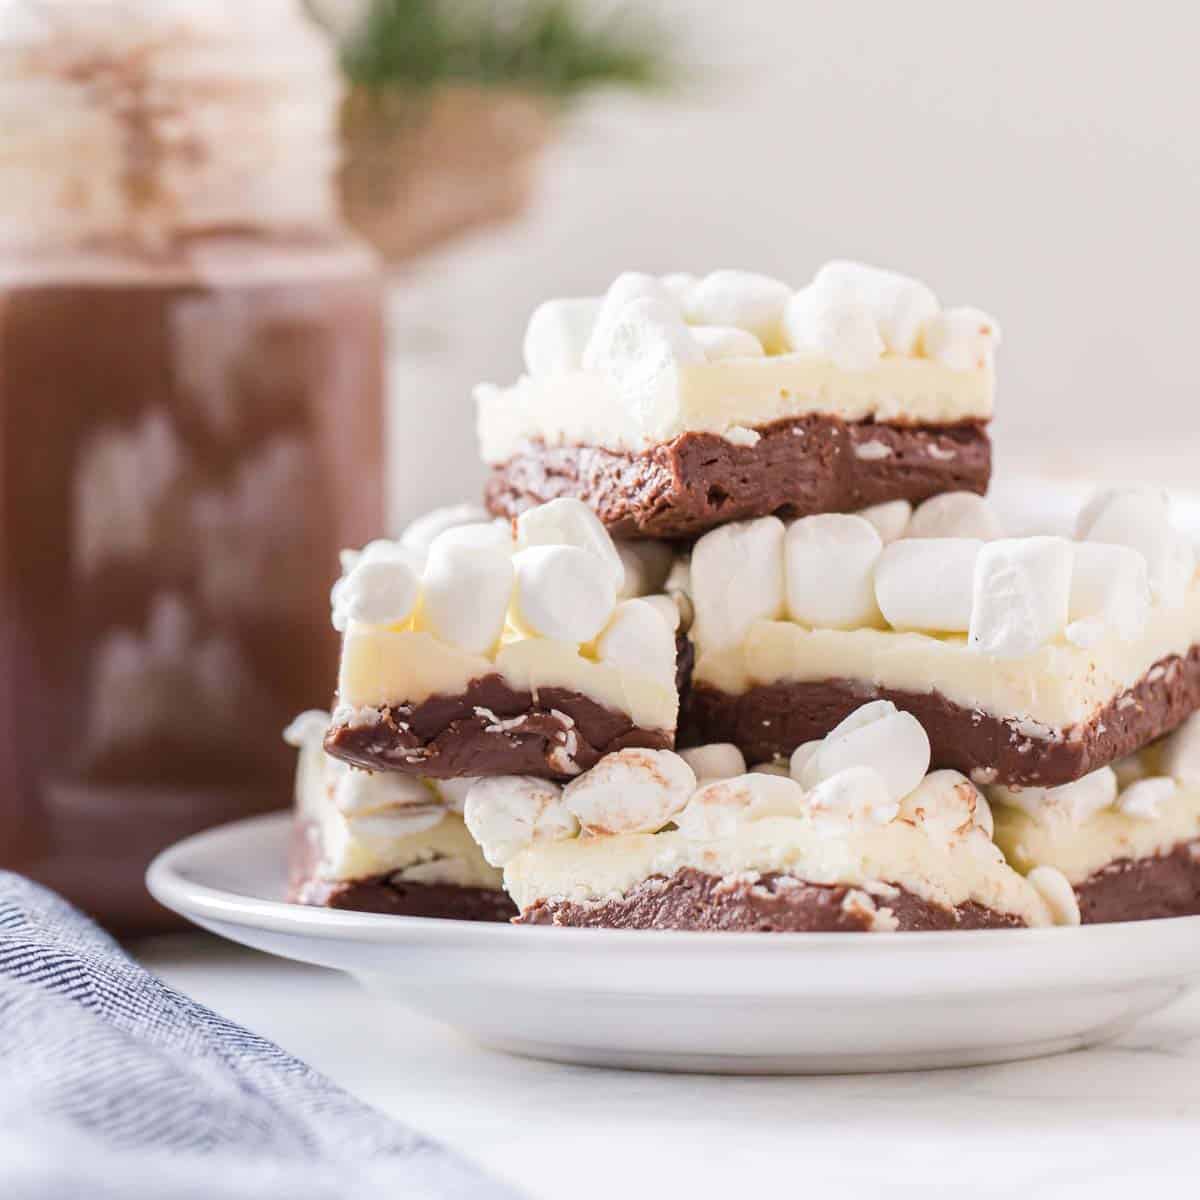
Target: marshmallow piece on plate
556 335
1109 584
955 515
419 534
507 814
927 584
1075 802
727 341
641 351
947 805
877 735
467 586
1144 798
563 593
356 791
737 578
829 562
857 797
962 339
569 522
717 760
631 791
742 299
899 305
638 640
1180 756
1059 896
890 519
1141 520
718 808
844 333
1021 595
646 565
378 591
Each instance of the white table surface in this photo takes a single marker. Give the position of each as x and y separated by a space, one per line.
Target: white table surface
1095 1123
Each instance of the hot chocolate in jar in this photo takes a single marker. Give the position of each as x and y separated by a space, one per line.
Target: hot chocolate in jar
190 423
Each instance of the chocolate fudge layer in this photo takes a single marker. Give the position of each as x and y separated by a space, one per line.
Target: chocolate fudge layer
771 720
1143 889
771 903
490 729
800 466
387 894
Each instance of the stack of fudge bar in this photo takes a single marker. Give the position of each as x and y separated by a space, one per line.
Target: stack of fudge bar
738 643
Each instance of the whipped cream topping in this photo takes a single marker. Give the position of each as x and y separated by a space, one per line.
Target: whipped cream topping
540 608
658 357
365 824
141 120
857 809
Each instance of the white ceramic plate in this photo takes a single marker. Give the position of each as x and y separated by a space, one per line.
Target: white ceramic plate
738 1002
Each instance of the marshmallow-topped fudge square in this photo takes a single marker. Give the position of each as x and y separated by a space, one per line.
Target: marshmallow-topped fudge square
853 834
1030 661
674 404
383 842
481 648
1120 844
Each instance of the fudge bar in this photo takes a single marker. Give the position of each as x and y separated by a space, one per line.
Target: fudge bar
673 405
853 835
1125 839
383 843
495 649
1030 661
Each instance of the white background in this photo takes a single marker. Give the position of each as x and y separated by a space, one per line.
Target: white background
1038 160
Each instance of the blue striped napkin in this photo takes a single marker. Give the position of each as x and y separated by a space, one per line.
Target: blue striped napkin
115 1087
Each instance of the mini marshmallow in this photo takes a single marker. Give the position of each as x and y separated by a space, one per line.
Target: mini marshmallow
947 805
557 334
742 299
631 791
962 339
1140 519
379 548
453 792
726 341
509 813
721 806
307 728
737 578
467 586
879 736
899 306
1109 584
638 640
1059 896
890 519
562 593
803 756
844 333
1075 802
380 591
927 584
1180 756
717 760
569 522
829 563
623 291
646 565
1144 799
344 595
955 515
356 792
679 285
419 534
857 797
1021 595
667 608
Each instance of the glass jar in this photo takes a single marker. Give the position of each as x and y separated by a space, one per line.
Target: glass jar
191 394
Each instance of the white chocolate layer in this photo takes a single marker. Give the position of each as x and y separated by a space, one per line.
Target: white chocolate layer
1056 687
384 666
899 854
723 397
1079 851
